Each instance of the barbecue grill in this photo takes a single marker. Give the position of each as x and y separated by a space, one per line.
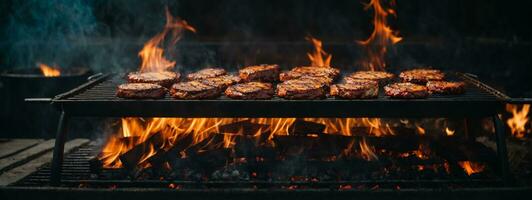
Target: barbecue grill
97 98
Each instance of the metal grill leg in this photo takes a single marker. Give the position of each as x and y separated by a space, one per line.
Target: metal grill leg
500 133
57 160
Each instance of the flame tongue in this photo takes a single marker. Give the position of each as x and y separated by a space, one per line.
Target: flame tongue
152 54
49 71
318 58
382 36
519 119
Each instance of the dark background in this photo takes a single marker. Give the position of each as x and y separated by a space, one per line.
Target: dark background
490 38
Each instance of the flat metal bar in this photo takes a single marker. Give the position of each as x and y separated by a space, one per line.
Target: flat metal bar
57 159
502 152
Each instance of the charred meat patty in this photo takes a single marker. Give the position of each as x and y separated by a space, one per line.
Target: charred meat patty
446 87
221 82
206 73
250 90
379 76
406 91
140 91
299 72
359 89
165 78
194 90
302 88
421 76
260 73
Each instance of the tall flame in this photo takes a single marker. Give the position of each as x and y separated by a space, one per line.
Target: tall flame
318 58
152 56
367 151
519 119
49 71
382 36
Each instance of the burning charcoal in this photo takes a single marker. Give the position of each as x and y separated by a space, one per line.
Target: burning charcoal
209 160
131 158
206 144
403 143
291 145
180 145
245 127
330 145
301 127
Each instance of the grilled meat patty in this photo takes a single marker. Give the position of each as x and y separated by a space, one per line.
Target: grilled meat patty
250 90
140 91
446 87
379 76
298 72
221 82
406 91
302 88
165 79
206 73
194 90
261 73
421 76
357 89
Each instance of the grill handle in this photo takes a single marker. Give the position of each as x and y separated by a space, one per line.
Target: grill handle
38 100
471 75
520 101
94 76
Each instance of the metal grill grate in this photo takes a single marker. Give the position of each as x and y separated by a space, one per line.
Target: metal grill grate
479 100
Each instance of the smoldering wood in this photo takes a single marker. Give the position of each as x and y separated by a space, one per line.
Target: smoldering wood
131 158
455 149
245 127
302 127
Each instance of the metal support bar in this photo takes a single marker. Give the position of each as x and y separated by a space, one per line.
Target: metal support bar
57 160
502 154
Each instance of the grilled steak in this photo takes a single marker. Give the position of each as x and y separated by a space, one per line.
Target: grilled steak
250 90
357 89
379 76
406 91
421 76
140 91
446 87
299 72
221 82
206 73
302 88
194 90
165 79
261 73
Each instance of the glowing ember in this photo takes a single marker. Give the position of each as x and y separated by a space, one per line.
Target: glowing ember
471 167
382 36
49 71
519 119
152 54
319 57
449 131
420 130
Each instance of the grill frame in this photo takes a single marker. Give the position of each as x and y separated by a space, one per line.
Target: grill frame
479 100
446 106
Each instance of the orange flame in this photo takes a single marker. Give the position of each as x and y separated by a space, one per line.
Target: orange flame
49 71
135 131
318 58
152 54
449 132
367 151
471 167
519 119
382 36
